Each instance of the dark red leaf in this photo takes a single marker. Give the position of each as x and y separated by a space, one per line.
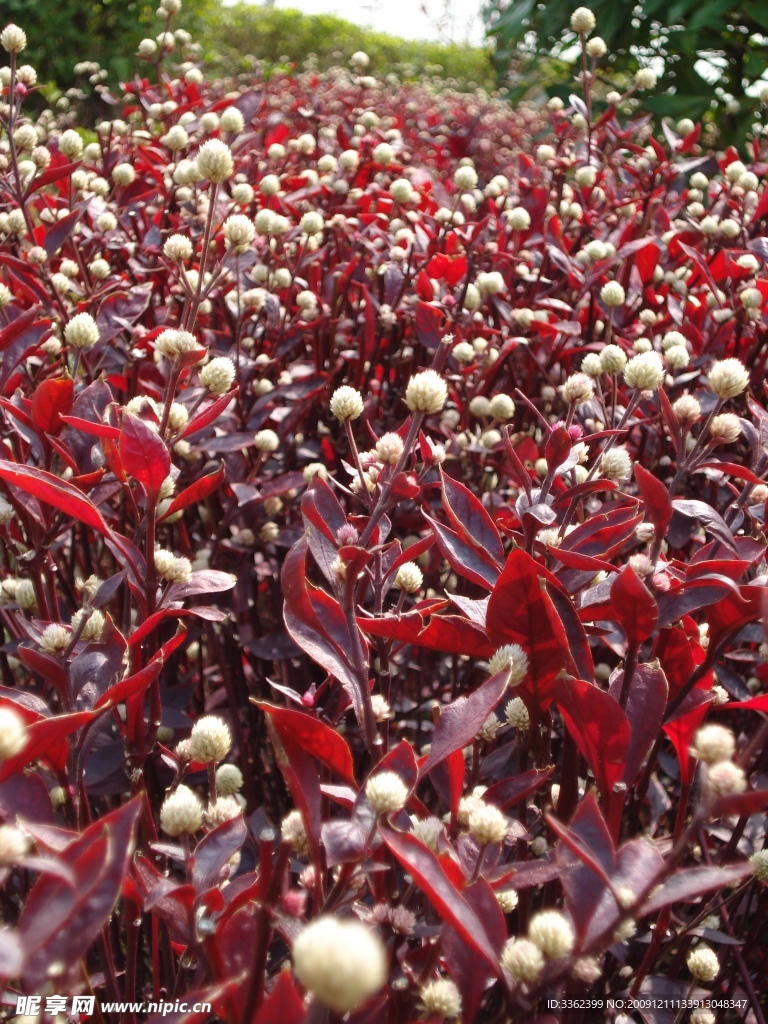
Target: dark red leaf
634 606
317 738
143 454
461 721
599 728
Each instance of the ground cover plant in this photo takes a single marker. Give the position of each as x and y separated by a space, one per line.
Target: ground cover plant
383 551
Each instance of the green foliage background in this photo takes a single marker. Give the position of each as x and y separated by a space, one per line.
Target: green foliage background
62 33
272 35
731 33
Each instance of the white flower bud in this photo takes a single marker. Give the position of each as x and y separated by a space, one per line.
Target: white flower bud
612 294
713 743
522 960
218 375
517 714
645 78
551 931
210 740
644 371
13 733
81 331
14 845
266 441
231 120
728 378
347 403
512 659
214 161
578 388
426 392
582 20
13 39
239 232
703 964
725 779
181 813
178 249
487 823
440 999
340 961
229 779
386 792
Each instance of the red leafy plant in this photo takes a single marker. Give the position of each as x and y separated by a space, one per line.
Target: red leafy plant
383 550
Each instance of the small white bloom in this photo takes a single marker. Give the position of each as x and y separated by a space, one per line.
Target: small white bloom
181 813
210 740
340 961
703 963
82 331
347 403
523 960
551 931
426 392
386 792
512 659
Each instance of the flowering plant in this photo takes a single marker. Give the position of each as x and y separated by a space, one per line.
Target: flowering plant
383 566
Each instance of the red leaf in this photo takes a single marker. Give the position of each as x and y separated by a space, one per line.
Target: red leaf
689 884
425 869
634 606
681 727
656 497
208 414
196 492
599 728
283 1005
144 454
60 921
317 738
645 709
49 401
450 634
521 612
461 721
303 783
471 520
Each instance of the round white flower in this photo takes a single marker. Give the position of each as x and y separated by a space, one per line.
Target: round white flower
596 47
518 218
644 371
512 659
578 388
214 161
551 931
523 960
488 824
616 464
178 249
239 232
507 900
645 78
465 177
266 441
612 294
172 343
726 428
231 120
229 779
728 378
312 223
612 359
13 733
582 20
347 403
386 792
14 845
13 39
517 714
181 813
440 999
82 331
426 392
218 375
725 779
226 808
703 963
713 743
210 740
341 962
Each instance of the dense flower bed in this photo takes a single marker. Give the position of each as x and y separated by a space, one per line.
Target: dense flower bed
383 550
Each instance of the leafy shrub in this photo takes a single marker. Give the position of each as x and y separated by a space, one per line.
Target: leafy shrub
707 55
383 567
277 36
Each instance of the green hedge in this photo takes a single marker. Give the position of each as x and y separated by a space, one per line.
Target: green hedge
232 35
